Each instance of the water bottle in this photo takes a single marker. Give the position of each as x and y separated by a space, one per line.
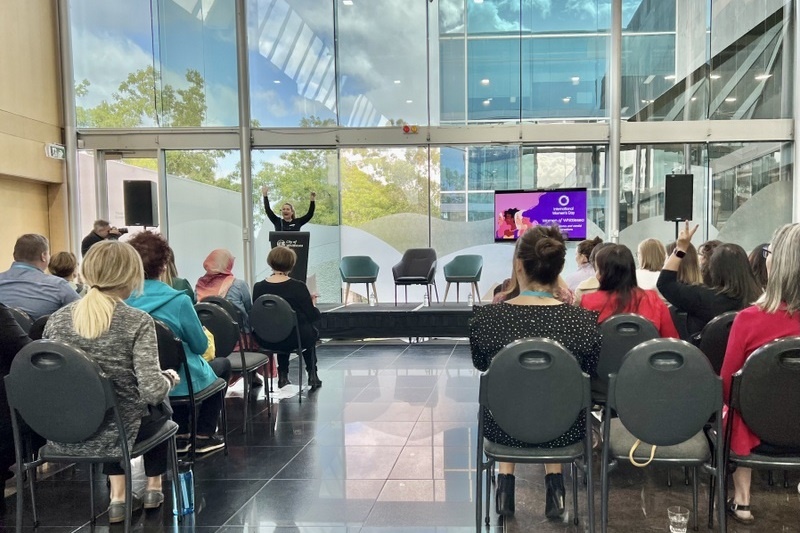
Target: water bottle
470 301
373 300
425 301
185 484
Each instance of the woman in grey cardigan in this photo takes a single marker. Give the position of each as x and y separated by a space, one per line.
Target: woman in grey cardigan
122 341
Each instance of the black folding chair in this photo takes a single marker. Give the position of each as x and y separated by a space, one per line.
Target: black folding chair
37 328
714 339
226 334
546 378
766 394
664 394
64 397
23 319
171 355
274 323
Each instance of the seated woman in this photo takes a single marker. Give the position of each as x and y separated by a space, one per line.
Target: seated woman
122 340
585 267
772 317
689 269
220 281
282 260
65 265
535 312
651 255
170 277
732 285
175 309
619 292
758 264
590 284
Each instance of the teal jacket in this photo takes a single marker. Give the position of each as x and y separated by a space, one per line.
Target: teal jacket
175 309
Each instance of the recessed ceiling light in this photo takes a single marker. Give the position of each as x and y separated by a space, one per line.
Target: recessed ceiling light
409 101
575 80
670 77
397 82
762 77
693 98
487 102
730 99
276 82
478 1
715 76
566 99
485 81
347 2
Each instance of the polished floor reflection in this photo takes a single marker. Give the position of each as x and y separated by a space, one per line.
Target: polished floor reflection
386 445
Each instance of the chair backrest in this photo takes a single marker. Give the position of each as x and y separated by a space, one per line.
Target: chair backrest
665 391
227 305
467 265
535 390
620 333
417 262
358 266
37 328
58 391
221 324
681 321
23 319
714 338
766 392
272 318
171 354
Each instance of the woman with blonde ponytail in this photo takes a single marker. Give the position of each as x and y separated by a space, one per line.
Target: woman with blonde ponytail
122 341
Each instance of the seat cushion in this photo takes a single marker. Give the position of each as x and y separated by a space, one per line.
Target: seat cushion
462 279
359 279
252 360
693 451
522 455
411 280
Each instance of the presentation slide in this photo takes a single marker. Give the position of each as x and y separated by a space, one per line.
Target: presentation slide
516 211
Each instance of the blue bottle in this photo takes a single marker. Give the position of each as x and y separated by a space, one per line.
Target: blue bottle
186 485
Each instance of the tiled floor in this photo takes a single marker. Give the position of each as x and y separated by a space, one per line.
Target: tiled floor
387 445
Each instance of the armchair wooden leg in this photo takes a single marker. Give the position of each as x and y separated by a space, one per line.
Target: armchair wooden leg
446 290
375 292
435 288
476 296
347 293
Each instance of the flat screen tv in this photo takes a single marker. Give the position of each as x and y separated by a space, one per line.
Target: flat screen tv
516 211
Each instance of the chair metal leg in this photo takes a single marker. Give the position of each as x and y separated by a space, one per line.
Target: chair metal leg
574 470
669 477
395 295
694 498
128 497
785 479
479 491
21 474
177 496
32 487
711 484
458 293
770 479
406 288
487 494
686 476
246 380
300 362
588 476
224 416
446 290
476 296
91 493
375 292
346 293
435 288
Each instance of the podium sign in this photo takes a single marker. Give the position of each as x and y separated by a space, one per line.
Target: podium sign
297 241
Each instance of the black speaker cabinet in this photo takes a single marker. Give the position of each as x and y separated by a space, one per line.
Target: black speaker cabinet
678 197
141 203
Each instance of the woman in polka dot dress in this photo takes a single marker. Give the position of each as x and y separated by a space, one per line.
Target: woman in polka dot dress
538 261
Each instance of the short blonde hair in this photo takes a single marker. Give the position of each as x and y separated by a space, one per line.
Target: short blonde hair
109 266
281 259
652 255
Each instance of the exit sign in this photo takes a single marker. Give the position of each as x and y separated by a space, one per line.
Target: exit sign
55 151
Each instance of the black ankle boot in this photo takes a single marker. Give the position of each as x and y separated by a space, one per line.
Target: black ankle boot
504 497
313 379
283 379
554 500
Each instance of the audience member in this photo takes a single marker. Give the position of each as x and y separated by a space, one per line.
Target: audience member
65 265
619 292
591 284
101 231
122 341
651 255
585 267
689 269
282 260
704 253
175 309
732 285
220 281
772 317
758 263
535 312
26 286
171 278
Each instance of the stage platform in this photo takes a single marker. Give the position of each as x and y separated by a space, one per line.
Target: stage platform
362 321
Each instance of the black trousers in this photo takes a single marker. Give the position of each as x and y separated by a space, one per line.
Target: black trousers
155 461
208 412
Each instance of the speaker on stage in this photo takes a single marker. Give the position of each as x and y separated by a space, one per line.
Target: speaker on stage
678 197
141 203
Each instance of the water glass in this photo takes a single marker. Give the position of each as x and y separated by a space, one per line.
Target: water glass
678 519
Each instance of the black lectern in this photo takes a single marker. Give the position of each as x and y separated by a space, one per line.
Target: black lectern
297 241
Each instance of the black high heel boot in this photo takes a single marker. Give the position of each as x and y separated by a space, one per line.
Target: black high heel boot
504 496
313 379
283 379
554 500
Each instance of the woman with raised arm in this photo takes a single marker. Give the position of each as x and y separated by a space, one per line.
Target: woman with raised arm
288 221
122 341
535 312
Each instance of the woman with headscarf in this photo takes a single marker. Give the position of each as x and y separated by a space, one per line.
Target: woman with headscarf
220 281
